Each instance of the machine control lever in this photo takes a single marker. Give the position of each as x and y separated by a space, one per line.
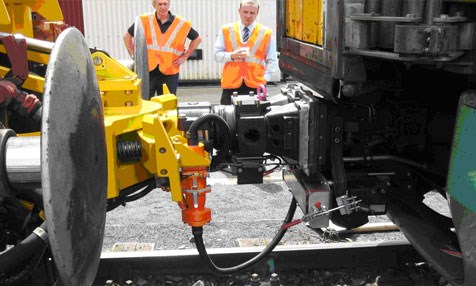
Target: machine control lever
346 205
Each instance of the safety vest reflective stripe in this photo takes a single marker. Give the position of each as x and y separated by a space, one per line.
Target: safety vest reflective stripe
257 44
251 70
163 49
174 35
234 41
167 47
155 43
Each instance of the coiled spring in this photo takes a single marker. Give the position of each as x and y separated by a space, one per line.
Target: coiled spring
128 151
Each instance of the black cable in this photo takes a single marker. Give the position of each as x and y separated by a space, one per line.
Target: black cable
198 231
147 186
276 165
139 195
225 131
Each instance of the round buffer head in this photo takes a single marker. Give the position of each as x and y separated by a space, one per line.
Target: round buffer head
141 61
73 160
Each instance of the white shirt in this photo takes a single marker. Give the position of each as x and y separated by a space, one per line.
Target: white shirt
271 59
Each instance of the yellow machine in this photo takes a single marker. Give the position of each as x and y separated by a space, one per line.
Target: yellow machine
144 145
371 138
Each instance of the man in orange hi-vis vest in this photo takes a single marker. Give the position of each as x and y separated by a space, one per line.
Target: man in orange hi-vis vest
165 35
248 51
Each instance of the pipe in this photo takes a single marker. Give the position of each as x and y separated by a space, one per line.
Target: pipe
198 231
432 10
23 162
33 44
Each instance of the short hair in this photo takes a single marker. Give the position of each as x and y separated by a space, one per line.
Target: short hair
154 1
252 2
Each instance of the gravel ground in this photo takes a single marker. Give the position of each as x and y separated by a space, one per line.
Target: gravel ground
242 215
420 275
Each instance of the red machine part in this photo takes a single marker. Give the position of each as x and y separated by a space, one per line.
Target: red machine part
17 54
11 96
14 99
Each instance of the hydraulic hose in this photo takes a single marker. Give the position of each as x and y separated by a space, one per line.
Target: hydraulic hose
13 258
197 234
224 130
26 271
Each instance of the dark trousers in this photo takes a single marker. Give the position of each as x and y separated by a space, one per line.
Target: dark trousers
226 93
157 78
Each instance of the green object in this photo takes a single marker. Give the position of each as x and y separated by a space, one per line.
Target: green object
461 184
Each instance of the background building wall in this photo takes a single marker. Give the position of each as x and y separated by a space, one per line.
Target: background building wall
107 20
73 13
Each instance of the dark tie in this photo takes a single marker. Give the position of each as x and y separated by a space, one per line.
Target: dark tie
246 34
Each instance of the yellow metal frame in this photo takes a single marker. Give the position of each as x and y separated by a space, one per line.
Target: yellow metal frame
15 15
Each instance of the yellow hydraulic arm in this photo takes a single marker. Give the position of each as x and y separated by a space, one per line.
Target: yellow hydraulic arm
142 137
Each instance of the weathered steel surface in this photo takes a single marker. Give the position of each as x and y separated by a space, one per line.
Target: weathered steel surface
141 63
74 173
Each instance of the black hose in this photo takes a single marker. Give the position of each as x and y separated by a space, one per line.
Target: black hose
26 271
198 231
12 258
224 130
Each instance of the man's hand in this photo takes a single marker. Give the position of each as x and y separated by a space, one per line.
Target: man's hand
180 60
129 43
239 55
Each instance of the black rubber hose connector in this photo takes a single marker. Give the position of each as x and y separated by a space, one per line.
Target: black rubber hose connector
198 232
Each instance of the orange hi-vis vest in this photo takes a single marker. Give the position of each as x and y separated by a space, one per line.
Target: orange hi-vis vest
163 49
252 69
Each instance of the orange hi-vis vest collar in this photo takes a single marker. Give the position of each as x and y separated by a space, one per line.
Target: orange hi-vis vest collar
163 49
252 69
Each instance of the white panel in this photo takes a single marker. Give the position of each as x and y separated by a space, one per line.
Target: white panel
106 21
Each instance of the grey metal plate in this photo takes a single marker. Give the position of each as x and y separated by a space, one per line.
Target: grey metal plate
74 166
141 62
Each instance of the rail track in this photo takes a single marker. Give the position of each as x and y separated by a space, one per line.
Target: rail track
381 263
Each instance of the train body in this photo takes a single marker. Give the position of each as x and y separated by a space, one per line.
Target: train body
386 114
393 112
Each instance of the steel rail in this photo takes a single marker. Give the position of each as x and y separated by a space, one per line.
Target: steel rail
122 266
